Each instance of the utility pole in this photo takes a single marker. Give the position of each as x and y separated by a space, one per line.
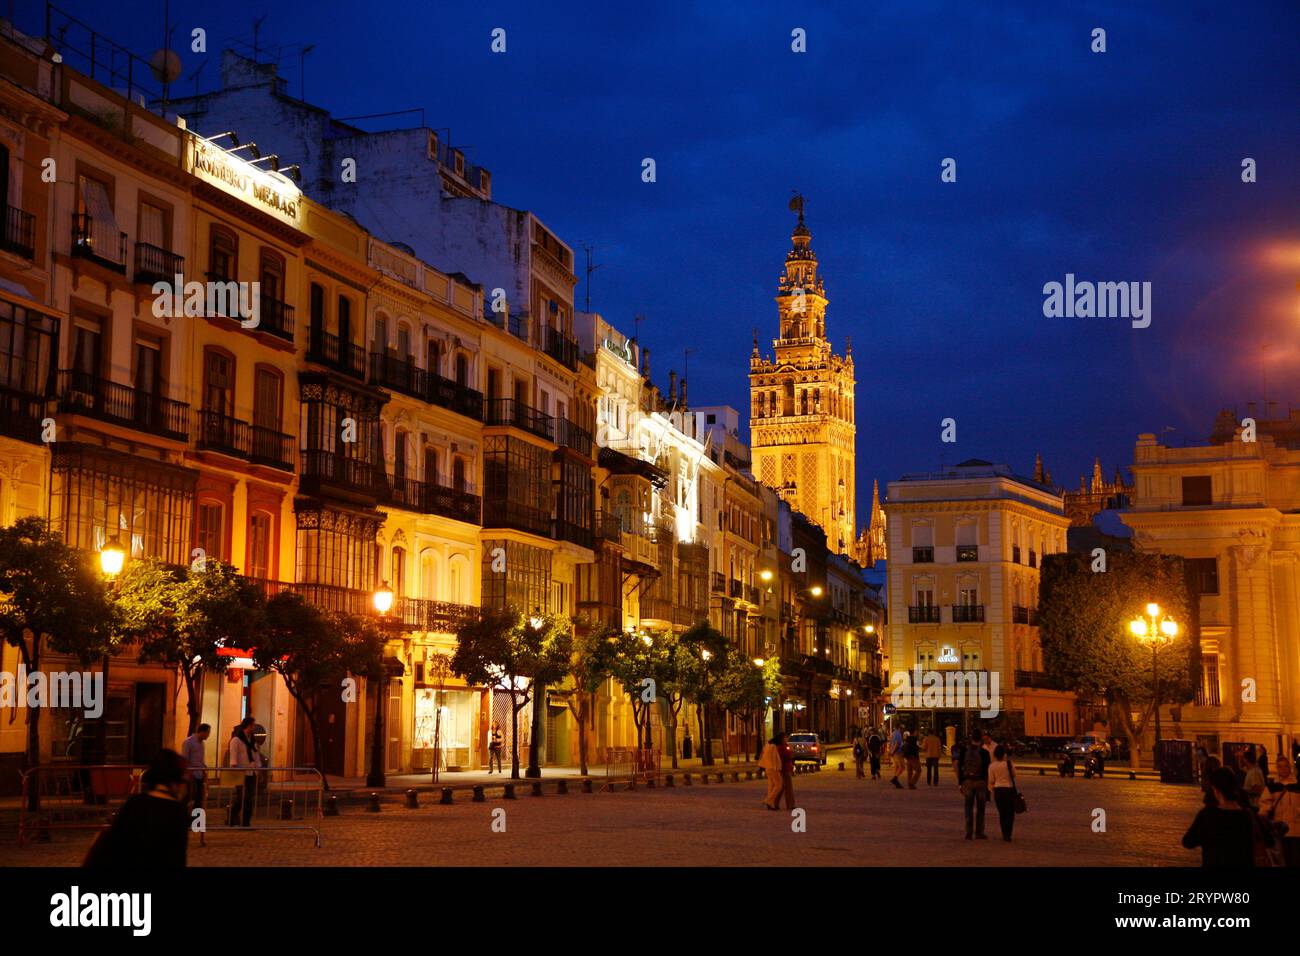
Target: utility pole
587 248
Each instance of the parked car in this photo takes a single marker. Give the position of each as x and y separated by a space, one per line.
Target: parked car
1086 744
806 747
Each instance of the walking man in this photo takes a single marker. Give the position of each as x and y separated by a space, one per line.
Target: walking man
933 748
195 764
896 754
972 762
912 754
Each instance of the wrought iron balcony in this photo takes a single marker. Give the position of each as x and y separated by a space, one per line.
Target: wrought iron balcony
434 499
154 264
108 401
505 513
231 436
607 527
507 411
419 614
401 375
325 348
560 347
574 533
19 235
275 317
99 242
719 582
571 436
737 589
340 472
967 613
924 614
453 396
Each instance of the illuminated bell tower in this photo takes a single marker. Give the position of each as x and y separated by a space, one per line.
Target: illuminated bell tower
801 402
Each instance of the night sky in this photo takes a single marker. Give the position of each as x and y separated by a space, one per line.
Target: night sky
1122 166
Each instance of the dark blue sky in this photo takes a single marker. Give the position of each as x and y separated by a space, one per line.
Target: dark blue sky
1122 166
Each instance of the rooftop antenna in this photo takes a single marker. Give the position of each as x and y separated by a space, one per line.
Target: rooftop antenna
195 76
686 363
302 78
257 26
165 65
587 248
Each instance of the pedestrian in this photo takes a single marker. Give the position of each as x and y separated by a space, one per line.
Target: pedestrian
1002 781
972 762
495 742
933 751
860 757
1263 761
244 756
1202 755
196 766
787 771
874 746
896 755
1279 805
770 761
912 754
987 742
1223 829
1254 781
151 830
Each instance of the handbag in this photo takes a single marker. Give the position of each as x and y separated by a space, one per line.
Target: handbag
1019 803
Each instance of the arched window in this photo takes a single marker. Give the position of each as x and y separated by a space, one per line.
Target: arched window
223 254
272 278
398 579
428 575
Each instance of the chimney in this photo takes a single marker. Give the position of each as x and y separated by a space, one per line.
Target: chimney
684 405
645 362
672 387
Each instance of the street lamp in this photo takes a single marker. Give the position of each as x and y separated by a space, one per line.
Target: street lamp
111 559
1155 632
383 602
383 598
535 623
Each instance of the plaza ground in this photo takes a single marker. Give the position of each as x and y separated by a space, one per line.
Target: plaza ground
850 822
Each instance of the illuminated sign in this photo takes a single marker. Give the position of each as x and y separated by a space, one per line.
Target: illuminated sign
270 192
948 656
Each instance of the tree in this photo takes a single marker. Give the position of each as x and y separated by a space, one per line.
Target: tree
436 670
680 667
182 618
1084 629
698 669
307 647
51 595
744 688
638 656
594 646
362 655
503 651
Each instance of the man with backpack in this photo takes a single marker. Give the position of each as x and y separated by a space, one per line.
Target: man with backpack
859 756
874 745
972 762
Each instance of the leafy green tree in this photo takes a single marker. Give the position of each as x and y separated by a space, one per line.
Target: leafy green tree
309 649
1084 628
744 688
183 617
52 596
502 650
639 656
701 661
594 646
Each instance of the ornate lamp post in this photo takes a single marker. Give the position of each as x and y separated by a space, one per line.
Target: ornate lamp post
1154 632
383 601
112 558
535 623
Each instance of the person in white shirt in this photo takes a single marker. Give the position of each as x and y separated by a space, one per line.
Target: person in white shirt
1002 782
244 756
195 765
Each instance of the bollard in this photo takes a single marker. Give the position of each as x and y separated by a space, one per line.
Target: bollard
508 792
1132 775
631 783
586 785
704 778
331 806
668 780
374 803
446 797
1041 771
478 795
686 780
735 776
412 800
841 766
650 783
561 786
537 788
286 808
749 775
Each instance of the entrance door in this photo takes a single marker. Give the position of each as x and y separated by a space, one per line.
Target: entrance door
393 728
332 713
147 728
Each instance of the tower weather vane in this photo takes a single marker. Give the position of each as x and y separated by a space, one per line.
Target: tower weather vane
796 203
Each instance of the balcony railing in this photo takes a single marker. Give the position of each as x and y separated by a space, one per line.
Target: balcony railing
607 527
453 396
418 614
967 613
327 349
507 411
232 436
19 235
571 436
431 498
108 401
719 582
504 513
21 414
401 375
154 264
560 347
275 317
925 614
737 589
751 594
923 555
99 242
340 471
574 533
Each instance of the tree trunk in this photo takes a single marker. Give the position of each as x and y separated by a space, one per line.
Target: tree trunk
193 703
437 737
317 748
670 731
515 707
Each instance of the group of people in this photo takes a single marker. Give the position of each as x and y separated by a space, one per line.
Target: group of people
1249 819
777 761
152 827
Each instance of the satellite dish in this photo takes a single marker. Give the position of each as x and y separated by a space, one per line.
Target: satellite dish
165 66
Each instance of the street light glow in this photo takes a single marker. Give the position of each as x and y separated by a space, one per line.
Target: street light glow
384 598
816 590
111 558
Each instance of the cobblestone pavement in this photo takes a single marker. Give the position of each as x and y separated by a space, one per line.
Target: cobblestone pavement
850 822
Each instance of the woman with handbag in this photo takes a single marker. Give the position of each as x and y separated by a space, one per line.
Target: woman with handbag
1002 780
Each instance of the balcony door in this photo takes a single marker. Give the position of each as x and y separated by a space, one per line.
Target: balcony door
148 382
87 355
267 415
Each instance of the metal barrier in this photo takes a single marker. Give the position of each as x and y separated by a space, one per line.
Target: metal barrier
282 798
74 796
631 763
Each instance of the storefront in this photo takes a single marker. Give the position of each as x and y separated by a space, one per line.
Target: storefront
445 728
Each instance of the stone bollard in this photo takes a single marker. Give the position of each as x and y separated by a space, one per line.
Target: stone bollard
478 795
841 766
650 783
631 783
537 788
704 778
1132 775
412 800
686 780
508 792
1042 771
735 776
749 775
331 806
668 780
286 808
373 806
561 786
446 797
586 785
